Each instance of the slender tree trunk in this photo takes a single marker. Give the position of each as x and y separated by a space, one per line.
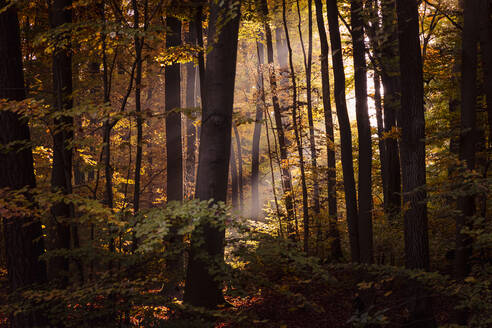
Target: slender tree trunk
234 180
380 126
468 131
390 77
173 117
255 152
364 133
297 123
203 288
240 168
282 140
61 176
412 154
334 234
23 236
191 103
345 132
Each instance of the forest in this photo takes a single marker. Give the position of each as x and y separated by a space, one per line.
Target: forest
245 163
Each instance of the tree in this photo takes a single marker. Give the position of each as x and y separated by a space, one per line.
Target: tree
345 132
336 249
23 235
61 176
203 287
173 116
364 133
412 155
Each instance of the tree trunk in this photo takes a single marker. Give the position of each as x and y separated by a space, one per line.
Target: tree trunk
412 154
173 117
390 77
364 133
240 168
234 180
468 131
334 234
345 132
255 152
203 287
380 126
297 123
282 140
191 103
61 176
22 235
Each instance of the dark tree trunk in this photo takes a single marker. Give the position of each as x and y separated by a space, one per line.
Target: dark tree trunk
282 140
203 287
255 152
173 117
22 235
486 48
345 132
390 78
297 123
334 234
312 143
364 133
240 168
468 130
412 154
191 103
381 143
61 176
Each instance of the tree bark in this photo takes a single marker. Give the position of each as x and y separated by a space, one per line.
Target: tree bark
173 117
240 168
390 78
61 176
345 132
364 133
191 103
334 234
23 235
412 154
255 152
203 287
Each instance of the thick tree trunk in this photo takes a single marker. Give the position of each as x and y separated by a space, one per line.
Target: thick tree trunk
282 140
173 117
61 176
468 130
297 123
364 133
255 152
412 154
22 235
334 234
345 132
390 77
203 288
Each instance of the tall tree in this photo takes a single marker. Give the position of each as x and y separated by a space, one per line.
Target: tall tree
468 128
23 235
364 132
203 287
239 167
390 78
255 152
335 247
282 140
173 116
345 132
61 176
191 103
412 154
